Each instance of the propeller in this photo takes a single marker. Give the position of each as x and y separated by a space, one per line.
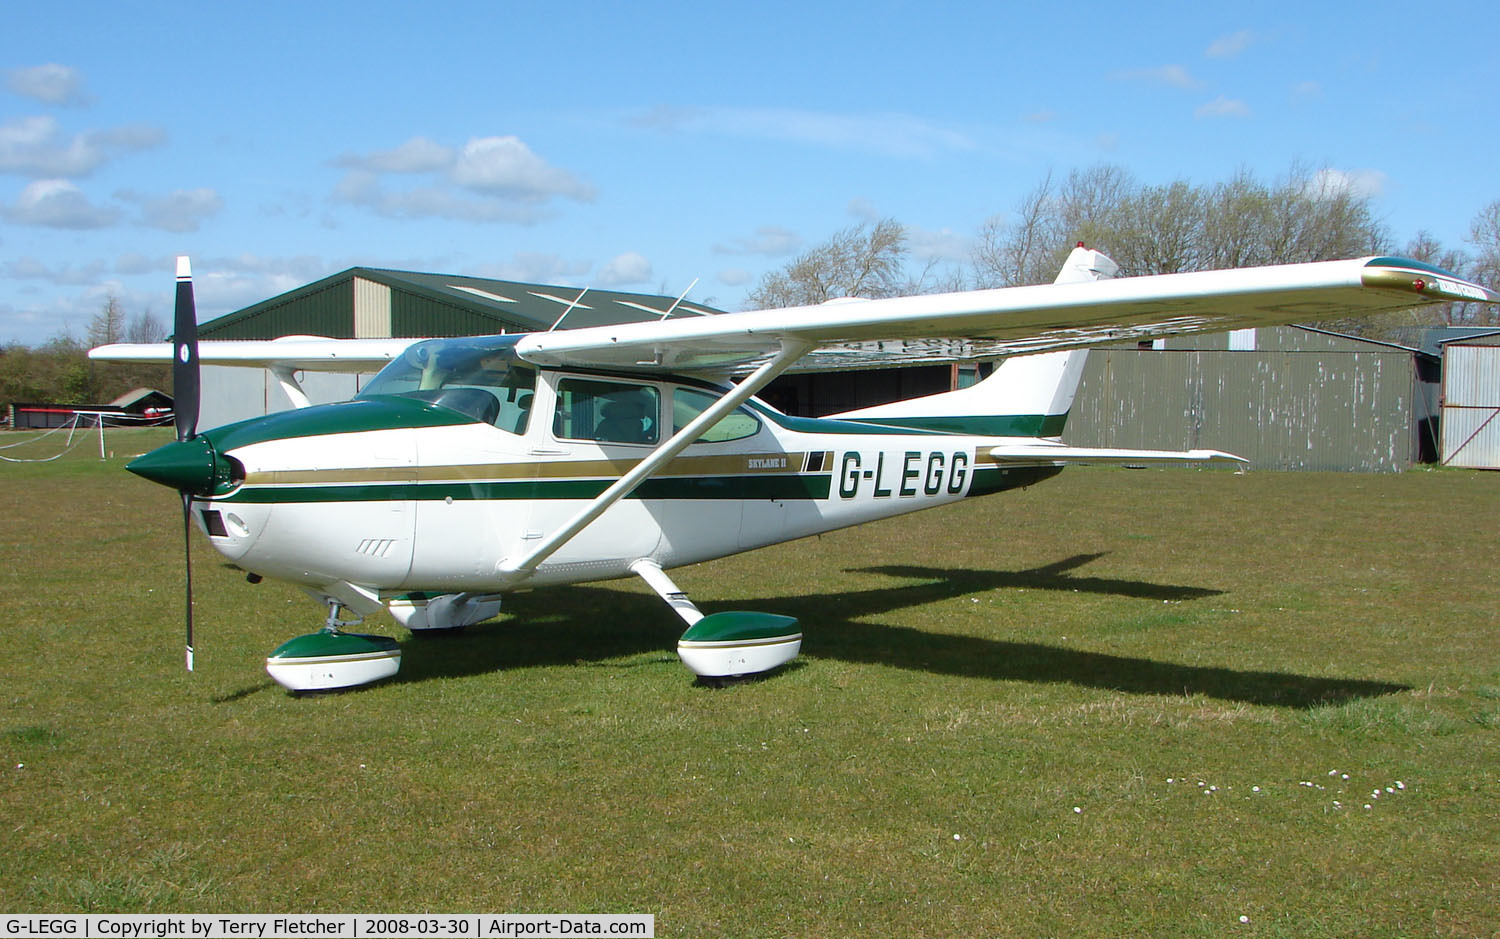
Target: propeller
189 463
185 395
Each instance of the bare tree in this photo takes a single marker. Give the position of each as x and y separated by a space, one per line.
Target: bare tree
145 327
1158 230
1484 235
861 261
1178 226
1010 255
108 325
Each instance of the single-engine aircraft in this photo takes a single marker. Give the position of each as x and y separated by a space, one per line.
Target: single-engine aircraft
471 467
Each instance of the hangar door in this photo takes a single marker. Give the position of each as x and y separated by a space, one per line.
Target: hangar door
1471 406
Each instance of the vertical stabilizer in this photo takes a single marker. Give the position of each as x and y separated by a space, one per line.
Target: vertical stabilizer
1084 265
1026 395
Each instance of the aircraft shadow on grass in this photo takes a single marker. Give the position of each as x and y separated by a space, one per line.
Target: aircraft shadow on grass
587 625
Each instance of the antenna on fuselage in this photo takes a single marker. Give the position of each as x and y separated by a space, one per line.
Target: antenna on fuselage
576 300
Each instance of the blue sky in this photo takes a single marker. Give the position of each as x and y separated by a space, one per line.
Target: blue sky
639 146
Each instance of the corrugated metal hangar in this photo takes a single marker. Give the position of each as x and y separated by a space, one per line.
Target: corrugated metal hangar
369 303
1284 398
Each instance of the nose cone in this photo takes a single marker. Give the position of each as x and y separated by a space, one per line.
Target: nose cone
185 465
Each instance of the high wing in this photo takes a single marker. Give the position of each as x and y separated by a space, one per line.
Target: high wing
1012 320
312 353
941 327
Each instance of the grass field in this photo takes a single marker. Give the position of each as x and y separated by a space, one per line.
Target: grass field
1119 703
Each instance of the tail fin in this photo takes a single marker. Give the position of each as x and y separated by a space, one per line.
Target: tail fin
1026 396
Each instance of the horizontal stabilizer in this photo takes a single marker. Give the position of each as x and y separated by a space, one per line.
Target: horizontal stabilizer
1044 454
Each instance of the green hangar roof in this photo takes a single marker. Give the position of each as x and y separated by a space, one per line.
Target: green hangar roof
370 303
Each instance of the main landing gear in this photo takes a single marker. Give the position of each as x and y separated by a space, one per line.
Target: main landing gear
730 644
331 658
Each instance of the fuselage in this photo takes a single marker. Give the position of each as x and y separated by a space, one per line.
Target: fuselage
431 489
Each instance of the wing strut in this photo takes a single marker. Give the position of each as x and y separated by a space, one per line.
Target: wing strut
517 569
290 386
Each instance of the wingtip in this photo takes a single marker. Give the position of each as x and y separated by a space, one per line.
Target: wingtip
1216 456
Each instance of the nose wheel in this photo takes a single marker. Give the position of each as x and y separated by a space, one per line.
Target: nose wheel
330 658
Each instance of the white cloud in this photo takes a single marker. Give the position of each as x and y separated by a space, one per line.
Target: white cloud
624 270
772 240
1330 182
1227 47
57 203
133 262
432 202
734 277
65 275
943 245
1172 75
491 179
36 146
535 267
302 268
1223 107
890 134
181 211
862 209
505 165
1307 91
53 84
665 117
417 155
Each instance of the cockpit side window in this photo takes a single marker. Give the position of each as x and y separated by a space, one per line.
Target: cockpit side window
607 411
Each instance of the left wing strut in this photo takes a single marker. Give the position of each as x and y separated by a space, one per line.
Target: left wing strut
517 569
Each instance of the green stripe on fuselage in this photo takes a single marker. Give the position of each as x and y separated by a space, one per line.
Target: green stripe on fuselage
791 488
985 425
786 487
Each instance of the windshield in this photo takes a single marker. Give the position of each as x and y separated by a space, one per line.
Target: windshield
478 376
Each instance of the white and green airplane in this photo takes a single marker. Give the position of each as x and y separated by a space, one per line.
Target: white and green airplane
471 467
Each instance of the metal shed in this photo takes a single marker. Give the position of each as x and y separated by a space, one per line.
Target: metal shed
1284 398
1471 402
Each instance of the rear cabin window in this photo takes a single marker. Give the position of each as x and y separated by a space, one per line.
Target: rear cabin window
688 404
607 411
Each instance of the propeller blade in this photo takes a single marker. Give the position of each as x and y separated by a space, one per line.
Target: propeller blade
187 559
185 397
185 391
